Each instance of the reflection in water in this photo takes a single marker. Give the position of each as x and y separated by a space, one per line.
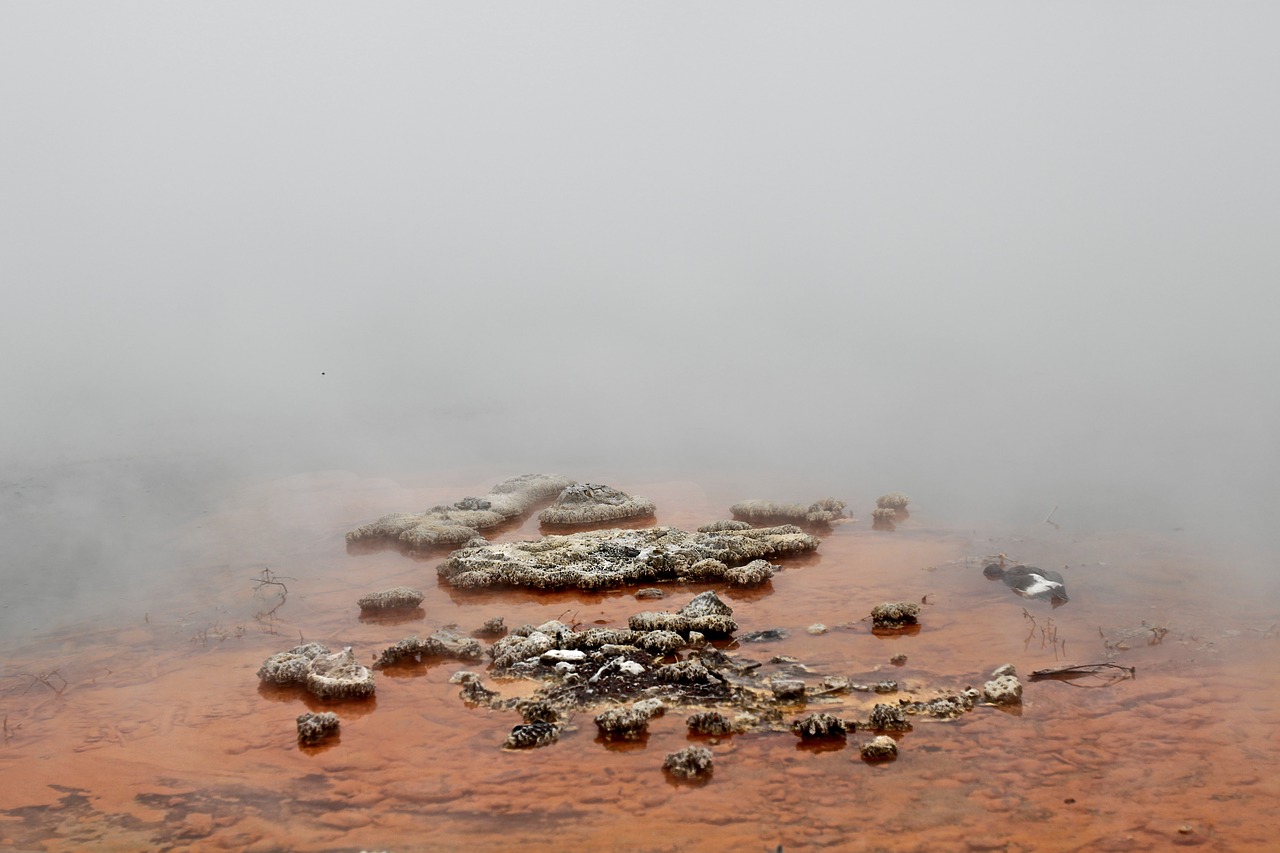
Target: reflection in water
162 735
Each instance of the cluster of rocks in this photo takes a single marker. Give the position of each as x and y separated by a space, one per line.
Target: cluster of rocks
453 524
327 675
592 503
606 559
889 509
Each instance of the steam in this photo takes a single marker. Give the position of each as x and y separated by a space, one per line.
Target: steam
1000 261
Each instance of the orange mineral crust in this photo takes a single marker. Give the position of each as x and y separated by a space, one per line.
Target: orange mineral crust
151 730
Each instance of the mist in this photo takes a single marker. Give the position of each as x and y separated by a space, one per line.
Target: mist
1003 258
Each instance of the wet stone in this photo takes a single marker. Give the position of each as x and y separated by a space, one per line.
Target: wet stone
888 718
313 728
880 748
1005 690
820 727
396 598
594 503
787 689
689 763
709 723
895 614
532 735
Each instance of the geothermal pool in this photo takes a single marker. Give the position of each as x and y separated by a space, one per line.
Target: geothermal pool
146 727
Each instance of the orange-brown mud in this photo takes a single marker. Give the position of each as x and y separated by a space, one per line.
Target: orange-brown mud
150 731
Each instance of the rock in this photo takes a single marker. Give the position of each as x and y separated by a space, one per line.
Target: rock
602 559
396 598
819 512
768 635
689 763
787 689
456 523
728 524
819 727
660 642
896 614
591 503
623 723
339 676
893 500
880 748
752 574
291 667
1005 669
313 728
888 718
1005 690
709 723
494 627
817 628
898 660
650 592
686 672
532 736
445 643
705 604
564 655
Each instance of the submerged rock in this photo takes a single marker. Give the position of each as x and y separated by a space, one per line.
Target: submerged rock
591 503
895 614
602 559
339 676
454 524
689 763
313 728
396 598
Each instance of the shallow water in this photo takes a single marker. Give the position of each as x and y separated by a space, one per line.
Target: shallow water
147 728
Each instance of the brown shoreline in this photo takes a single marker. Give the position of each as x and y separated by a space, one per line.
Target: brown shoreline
163 739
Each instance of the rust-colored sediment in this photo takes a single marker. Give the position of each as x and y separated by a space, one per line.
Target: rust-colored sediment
163 739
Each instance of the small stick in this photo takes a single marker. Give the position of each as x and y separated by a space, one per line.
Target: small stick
1050 515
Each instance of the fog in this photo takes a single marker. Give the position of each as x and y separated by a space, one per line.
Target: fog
999 256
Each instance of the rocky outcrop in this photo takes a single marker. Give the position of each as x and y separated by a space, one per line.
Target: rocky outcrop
605 559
